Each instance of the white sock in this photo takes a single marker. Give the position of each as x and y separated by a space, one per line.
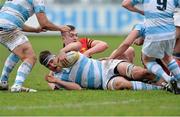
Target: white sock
23 70
156 69
143 86
10 62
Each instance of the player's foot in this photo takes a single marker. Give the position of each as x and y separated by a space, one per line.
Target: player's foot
167 87
4 85
175 86
19 88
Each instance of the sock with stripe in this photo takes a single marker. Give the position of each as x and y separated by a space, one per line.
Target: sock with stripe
174 69
23 70
143 86
10 63
156 69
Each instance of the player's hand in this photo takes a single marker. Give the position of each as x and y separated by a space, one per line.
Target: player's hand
39 29
50 79
59 60
87 54
64 28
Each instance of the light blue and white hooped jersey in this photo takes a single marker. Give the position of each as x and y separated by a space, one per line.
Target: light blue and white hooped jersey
159 23
14 13
86 72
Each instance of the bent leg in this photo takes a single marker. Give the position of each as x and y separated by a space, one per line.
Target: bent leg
130 54
134 72
120 83
172 66
27 55
176 53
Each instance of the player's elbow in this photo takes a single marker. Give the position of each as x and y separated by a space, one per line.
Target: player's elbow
104 45
44 24
126 3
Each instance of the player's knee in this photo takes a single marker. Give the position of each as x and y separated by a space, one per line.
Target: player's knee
145 73
30 58
131 54
116 84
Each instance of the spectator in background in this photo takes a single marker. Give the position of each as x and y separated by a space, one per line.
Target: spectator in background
13 15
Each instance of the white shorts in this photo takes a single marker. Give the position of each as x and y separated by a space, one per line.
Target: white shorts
177 17
158 49
109 67
12 38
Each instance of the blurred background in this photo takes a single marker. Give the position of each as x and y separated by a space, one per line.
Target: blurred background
91 17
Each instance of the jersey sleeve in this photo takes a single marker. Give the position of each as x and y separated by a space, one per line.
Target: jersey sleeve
135 2
140 28
89 42
39 6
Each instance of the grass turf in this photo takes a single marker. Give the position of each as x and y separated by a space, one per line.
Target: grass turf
86 102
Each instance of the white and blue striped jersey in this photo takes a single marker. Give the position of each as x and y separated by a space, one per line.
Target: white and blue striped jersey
86 72
159 23
14 13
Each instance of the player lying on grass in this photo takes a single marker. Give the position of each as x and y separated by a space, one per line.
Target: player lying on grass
136 36
88 46
78 71
84 45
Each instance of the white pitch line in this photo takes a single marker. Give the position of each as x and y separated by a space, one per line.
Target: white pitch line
66 105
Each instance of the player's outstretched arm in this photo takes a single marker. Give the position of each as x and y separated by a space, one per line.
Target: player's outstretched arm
66 85
46 24
128 5
27 28
96 46
74 46
124 45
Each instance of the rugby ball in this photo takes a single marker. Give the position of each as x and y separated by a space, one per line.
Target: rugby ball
71 58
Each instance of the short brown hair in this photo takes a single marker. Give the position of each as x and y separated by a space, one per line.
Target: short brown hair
71 27
43 57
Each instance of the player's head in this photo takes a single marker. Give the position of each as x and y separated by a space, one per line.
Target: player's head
70 36
46 58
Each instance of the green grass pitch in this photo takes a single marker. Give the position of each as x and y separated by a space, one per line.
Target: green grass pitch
86 102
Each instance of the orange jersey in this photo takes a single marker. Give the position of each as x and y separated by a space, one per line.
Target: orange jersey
86 44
